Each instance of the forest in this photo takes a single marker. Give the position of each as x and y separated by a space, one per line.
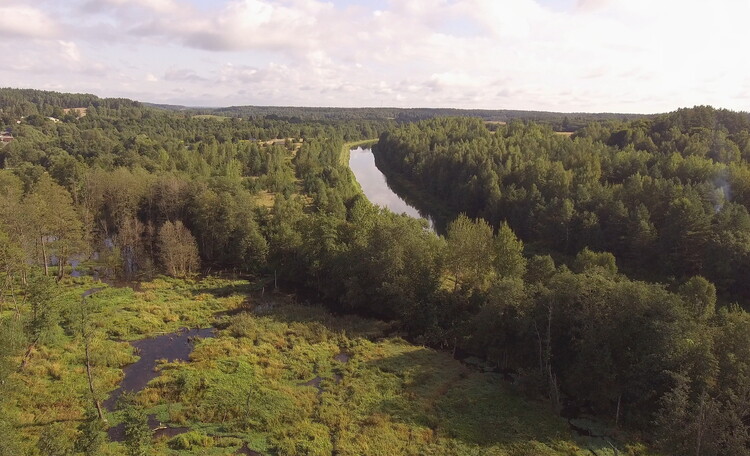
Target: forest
598 275
558 121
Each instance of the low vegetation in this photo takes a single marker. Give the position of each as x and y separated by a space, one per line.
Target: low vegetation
279 377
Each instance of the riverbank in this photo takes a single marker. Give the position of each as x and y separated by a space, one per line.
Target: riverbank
411 199
424 202
347 147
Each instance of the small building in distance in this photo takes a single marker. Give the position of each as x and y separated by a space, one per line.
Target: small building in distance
6 137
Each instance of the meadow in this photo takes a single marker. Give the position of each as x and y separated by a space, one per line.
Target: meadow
279 377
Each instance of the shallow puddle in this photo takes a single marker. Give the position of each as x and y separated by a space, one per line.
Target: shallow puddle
247 451
343 357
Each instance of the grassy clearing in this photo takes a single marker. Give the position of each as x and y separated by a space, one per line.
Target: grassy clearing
210 116
284 379
257 381
266 199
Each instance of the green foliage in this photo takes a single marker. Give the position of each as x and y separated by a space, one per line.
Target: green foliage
55 441
191 440
586 260
469 242
509 259
694 422
91 436
177 249
9 441
137 432
10 344
44 314
700 296
655 193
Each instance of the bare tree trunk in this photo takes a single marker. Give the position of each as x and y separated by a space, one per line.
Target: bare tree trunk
554 393
26 356
617 414
97 404
701 423
541 351
44 256
74 192
15 304
60 268
9 287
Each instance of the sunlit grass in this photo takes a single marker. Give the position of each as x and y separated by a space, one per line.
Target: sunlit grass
286 379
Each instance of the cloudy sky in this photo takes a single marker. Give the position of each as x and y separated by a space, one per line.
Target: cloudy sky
557 55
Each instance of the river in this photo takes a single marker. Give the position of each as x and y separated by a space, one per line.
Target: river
376 188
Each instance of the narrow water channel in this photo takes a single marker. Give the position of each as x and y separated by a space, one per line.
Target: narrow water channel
375 185
169 347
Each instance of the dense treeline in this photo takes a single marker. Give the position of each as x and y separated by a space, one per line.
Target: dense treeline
126 170
558 121
154 191
631 351
667 197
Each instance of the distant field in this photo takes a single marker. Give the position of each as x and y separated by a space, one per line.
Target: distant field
209 116
265 199
79 111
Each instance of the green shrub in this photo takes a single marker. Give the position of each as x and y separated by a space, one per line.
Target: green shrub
224 442
190 440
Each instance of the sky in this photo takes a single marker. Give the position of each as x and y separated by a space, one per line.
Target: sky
635 56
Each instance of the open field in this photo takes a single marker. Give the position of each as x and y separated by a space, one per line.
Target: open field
210 116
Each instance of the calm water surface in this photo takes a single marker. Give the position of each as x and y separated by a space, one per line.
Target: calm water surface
375 186
170 347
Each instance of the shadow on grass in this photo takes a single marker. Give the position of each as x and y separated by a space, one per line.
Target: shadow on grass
472 407
282 309
482 409
229 287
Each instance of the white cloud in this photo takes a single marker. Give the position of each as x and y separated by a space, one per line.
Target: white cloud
291 25
26 22
70 51
160 6
613 55
184 75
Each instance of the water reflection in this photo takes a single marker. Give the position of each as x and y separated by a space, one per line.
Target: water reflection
375 186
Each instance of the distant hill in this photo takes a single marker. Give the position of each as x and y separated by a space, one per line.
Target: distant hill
559 121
